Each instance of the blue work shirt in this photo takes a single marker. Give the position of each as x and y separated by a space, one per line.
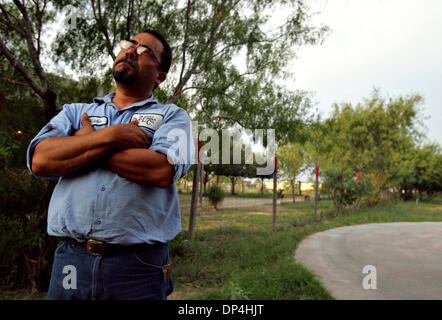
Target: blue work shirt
97 203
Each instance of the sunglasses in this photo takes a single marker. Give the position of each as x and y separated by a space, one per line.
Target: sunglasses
142 48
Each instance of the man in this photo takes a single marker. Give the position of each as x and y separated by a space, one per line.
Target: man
115 206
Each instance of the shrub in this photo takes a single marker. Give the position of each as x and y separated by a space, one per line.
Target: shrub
25 248
215 195
344 190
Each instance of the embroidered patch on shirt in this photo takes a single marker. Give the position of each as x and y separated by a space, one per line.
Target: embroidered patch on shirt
148 120
98 121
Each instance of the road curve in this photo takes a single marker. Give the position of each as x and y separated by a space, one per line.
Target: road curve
407 257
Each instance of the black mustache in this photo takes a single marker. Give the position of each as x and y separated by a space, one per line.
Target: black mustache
126 59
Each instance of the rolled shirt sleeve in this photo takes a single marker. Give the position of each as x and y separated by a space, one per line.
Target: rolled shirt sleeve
174 139
60 126
100 204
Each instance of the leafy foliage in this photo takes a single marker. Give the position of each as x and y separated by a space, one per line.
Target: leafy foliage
215 194
226 60
291 159
344 189
422 171
375 138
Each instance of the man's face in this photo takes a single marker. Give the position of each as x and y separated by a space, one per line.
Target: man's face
140 70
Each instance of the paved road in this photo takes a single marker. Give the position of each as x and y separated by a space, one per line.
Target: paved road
407 257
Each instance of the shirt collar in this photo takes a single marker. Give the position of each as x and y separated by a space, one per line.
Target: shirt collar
108 99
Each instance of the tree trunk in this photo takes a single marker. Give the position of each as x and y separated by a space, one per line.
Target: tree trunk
300 193
232 182
49 105
358 201
200 176
292 181
206 179
193 204
341 200
316 199
275 186
262 185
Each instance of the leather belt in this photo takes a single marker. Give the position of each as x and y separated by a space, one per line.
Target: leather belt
100 248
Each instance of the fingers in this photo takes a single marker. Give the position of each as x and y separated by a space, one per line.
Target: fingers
148 140
87 126
134 121
146 137
131 136
85 121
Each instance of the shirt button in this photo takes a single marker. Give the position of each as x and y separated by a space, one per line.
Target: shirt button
103 188
98 221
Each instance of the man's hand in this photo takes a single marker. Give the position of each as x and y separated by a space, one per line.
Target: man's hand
126 135
57 156
129 135
87 127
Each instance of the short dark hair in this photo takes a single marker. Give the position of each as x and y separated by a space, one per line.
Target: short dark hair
166 55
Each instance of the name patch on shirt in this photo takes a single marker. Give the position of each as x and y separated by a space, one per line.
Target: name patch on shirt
98 121
148 120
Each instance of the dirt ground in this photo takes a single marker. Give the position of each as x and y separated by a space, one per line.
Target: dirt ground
233 202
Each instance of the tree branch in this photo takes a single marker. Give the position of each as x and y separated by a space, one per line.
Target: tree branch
16 83
20 68
114 26
101 27
129 17
217 20
189 88
221 117
8 14
39 14
186 37
9 24
35 59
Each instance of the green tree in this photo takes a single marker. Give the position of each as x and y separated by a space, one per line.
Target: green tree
22 25
215 195
210 39
291 158
23 241
372 138
344 189
424 172
226 63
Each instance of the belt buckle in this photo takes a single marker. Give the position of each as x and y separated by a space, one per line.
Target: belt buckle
95 247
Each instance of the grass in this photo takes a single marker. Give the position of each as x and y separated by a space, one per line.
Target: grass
22 294
237 255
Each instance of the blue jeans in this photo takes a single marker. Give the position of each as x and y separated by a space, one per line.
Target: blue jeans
128 275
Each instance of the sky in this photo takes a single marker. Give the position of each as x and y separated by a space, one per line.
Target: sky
394 45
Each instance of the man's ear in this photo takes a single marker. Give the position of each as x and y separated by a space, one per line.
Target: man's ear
161 77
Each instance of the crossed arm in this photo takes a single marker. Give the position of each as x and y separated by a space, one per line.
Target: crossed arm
124 147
